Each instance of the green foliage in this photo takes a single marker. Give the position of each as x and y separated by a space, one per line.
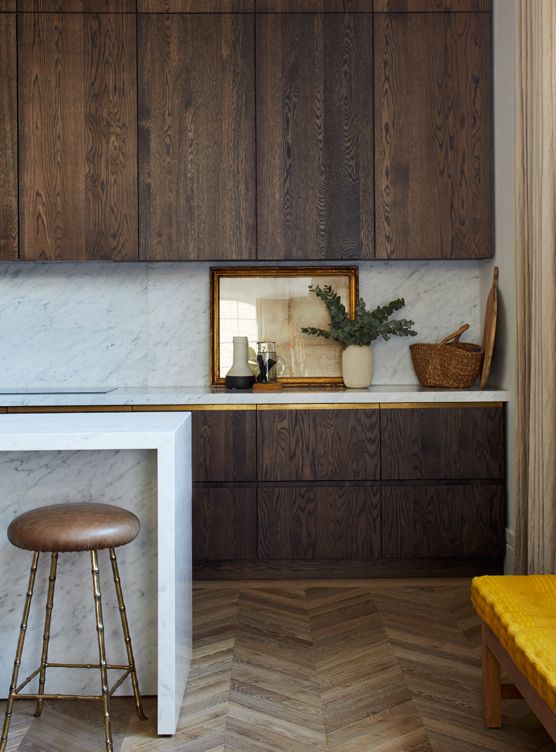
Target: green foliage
365 327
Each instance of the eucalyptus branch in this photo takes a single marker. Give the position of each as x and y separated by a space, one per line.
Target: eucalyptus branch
365 327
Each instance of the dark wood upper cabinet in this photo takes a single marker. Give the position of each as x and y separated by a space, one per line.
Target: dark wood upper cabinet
224 523
433 135
319 522
427 6
8 138
442 443
314 136
224 445
77 6
313 6
195 6
318 444
196 137
7 6
443 521
77 137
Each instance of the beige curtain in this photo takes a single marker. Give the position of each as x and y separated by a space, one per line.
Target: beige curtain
536 284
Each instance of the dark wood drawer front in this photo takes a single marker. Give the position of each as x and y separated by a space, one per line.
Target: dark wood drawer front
224 445
429 521
224 523
442 443
319 522
318 445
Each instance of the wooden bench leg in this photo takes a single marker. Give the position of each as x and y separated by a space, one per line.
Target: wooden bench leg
492 687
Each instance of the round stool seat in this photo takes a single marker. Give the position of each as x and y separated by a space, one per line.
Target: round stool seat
73 527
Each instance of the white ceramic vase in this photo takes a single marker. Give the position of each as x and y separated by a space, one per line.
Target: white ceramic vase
357 366
240 375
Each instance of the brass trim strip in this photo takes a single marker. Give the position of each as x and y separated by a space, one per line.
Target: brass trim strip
191 408
435 405
320 406
249 406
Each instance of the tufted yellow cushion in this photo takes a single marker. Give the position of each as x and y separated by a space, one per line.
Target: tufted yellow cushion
521 611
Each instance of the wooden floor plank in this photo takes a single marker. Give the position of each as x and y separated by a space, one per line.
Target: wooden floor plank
353 666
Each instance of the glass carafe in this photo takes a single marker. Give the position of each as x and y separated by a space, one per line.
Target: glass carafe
270 365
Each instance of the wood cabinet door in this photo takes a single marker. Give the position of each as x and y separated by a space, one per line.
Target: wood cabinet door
196 136
313 6
433 443
443 521
433 135
224 445
319 522
224 523
428 6
8 139
77 6
314 136
195 6
77 136
318 445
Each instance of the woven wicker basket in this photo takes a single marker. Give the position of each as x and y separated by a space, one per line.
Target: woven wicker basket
449 363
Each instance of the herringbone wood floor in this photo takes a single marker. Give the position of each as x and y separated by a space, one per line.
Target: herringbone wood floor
385 666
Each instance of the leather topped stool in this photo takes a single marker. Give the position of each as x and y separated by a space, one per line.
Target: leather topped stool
62 528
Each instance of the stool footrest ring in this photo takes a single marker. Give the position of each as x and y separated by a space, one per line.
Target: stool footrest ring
17 695
117 666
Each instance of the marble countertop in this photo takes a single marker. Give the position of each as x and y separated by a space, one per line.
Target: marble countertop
184 395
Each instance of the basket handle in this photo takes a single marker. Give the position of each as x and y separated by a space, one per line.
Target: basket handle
454 337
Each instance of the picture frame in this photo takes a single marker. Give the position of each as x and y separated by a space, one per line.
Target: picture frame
274 303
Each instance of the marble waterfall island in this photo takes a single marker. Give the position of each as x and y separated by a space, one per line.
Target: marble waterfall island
158 599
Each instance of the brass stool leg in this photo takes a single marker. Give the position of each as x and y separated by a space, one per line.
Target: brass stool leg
127 636
46 634
101 652
18 652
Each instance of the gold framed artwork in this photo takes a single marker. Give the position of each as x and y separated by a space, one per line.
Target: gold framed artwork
273 303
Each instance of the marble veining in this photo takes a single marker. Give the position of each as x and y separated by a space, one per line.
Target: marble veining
147 325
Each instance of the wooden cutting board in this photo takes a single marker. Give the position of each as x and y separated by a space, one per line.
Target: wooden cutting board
489 333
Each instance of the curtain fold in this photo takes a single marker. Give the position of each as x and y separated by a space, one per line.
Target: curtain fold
535 544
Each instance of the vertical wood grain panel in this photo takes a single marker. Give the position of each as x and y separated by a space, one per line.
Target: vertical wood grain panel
196 137
446 521
77 112
195 6
451 443
313 6
77 6
224 523
224 445
318 445
426 6
8 138
314 136
433 136
319 522
7 6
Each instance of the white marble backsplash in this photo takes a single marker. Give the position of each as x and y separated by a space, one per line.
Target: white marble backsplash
108 324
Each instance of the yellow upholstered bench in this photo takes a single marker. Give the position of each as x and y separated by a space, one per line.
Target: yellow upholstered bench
519 637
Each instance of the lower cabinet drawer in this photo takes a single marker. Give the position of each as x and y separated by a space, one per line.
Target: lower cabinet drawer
224 523
443 521
318 522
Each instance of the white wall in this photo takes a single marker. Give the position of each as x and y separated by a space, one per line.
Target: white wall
504 365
